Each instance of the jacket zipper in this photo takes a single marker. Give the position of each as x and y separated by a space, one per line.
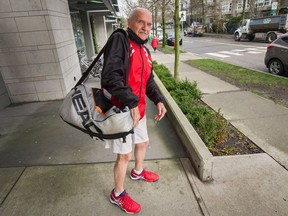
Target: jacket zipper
142 70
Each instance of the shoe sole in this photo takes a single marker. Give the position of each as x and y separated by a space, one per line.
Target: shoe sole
115 203
140 178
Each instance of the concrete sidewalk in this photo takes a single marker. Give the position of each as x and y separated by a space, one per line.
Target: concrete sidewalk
246 184
263 121
50 168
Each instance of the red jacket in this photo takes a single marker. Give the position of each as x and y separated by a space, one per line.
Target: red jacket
127 73
154 42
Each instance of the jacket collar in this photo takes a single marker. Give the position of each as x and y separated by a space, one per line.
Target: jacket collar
135 38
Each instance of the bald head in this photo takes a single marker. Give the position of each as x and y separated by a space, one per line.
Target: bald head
140 22
134 13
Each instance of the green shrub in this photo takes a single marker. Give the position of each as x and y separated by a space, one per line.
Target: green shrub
210 125
190 88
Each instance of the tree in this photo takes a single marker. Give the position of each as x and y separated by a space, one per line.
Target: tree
197 11
164 6
203 12
278 7
243 10
127 6
176 43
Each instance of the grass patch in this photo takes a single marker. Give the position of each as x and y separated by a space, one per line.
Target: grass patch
239 76
168 49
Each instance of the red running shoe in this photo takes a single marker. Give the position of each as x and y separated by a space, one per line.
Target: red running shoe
125 202
144 175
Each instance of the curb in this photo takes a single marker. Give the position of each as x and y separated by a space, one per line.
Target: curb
199 154
219 35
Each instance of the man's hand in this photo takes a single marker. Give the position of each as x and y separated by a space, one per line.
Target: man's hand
135 115
161 112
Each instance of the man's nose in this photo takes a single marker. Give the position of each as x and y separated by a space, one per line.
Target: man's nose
145 26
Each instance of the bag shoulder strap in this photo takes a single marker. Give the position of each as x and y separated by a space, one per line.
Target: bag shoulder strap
86 73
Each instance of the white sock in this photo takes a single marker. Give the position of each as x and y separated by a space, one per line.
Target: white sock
117 194
138 172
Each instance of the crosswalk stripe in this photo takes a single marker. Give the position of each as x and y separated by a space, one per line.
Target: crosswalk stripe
231 53
260 49
238 52
264 48
250 48
254 52
218 55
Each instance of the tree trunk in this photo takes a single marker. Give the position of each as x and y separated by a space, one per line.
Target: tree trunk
244 8
155 17
203 14
176 43
163 24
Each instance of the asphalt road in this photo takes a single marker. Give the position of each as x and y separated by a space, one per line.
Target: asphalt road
244 53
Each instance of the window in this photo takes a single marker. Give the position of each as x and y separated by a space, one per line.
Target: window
261 3
285 39
78 32
240 5
226 7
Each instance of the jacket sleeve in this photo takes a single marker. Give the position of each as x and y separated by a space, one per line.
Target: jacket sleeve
116 64
152 91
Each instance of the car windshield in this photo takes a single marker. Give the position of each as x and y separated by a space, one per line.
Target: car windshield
285 38
170 35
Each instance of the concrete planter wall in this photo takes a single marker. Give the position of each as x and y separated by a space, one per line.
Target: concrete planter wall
199 154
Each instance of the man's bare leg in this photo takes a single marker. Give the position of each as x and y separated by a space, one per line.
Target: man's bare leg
139 153
120 169
139 172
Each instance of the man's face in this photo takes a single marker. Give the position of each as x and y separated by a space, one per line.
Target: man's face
141 24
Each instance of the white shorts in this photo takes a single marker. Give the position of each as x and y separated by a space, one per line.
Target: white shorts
140 136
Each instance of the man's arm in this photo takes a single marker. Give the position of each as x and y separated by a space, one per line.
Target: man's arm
153 92
154 95
116 62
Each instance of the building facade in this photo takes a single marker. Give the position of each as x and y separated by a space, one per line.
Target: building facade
207 11
38 45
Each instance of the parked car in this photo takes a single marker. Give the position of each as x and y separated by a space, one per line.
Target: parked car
160 36
276 58
194 31
171 39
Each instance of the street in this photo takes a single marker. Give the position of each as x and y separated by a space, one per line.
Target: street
244 53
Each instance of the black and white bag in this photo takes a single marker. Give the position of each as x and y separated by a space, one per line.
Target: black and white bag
88 110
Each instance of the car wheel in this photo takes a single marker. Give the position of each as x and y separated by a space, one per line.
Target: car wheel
236 37
275 67
271 37
251 37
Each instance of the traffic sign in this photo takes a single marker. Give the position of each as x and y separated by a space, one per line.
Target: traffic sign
183 16
274 5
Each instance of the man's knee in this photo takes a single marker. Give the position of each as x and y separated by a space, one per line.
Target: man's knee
124 158
142 145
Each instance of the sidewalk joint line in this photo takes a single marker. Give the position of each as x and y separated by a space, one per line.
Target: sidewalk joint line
192 183
12 187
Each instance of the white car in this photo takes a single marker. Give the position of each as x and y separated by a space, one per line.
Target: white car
160 36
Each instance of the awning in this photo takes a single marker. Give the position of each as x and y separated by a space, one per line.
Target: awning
103 7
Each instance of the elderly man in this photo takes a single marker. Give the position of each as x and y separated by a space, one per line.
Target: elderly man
127 78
